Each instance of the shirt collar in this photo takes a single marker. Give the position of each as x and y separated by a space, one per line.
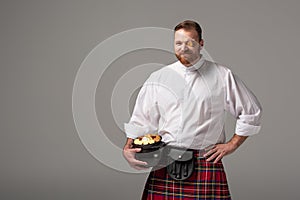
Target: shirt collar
194 67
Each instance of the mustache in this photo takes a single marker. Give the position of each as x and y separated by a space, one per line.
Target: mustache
184 52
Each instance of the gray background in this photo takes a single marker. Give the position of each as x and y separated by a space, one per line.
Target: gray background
43 44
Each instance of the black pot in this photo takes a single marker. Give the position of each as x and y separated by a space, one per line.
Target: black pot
151 153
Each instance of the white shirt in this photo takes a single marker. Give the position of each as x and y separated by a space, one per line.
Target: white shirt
186 105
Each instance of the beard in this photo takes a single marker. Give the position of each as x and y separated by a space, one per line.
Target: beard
184 60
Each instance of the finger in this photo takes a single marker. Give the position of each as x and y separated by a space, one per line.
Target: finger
210 152
135 150
218 158
210 147
213 156
138 162
139 167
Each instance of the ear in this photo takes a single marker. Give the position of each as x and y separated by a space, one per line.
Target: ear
201 43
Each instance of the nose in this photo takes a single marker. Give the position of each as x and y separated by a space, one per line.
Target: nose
184 47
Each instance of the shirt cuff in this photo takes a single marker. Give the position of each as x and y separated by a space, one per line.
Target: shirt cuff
134 131
244 129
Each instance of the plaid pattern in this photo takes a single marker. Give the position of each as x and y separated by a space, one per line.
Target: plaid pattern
208 181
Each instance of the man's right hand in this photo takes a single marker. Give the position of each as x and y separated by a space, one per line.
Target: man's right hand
129 154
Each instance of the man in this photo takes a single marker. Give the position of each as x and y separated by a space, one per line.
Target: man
185 103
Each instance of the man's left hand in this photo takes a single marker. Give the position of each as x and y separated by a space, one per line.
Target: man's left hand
219 151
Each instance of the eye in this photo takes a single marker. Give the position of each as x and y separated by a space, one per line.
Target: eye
178 43
190 44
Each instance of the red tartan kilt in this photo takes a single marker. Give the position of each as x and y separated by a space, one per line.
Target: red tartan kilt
208 181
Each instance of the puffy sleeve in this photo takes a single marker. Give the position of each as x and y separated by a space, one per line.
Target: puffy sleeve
145 116
243 105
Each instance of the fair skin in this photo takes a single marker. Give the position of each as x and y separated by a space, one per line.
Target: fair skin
187 46
187 49
129 154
